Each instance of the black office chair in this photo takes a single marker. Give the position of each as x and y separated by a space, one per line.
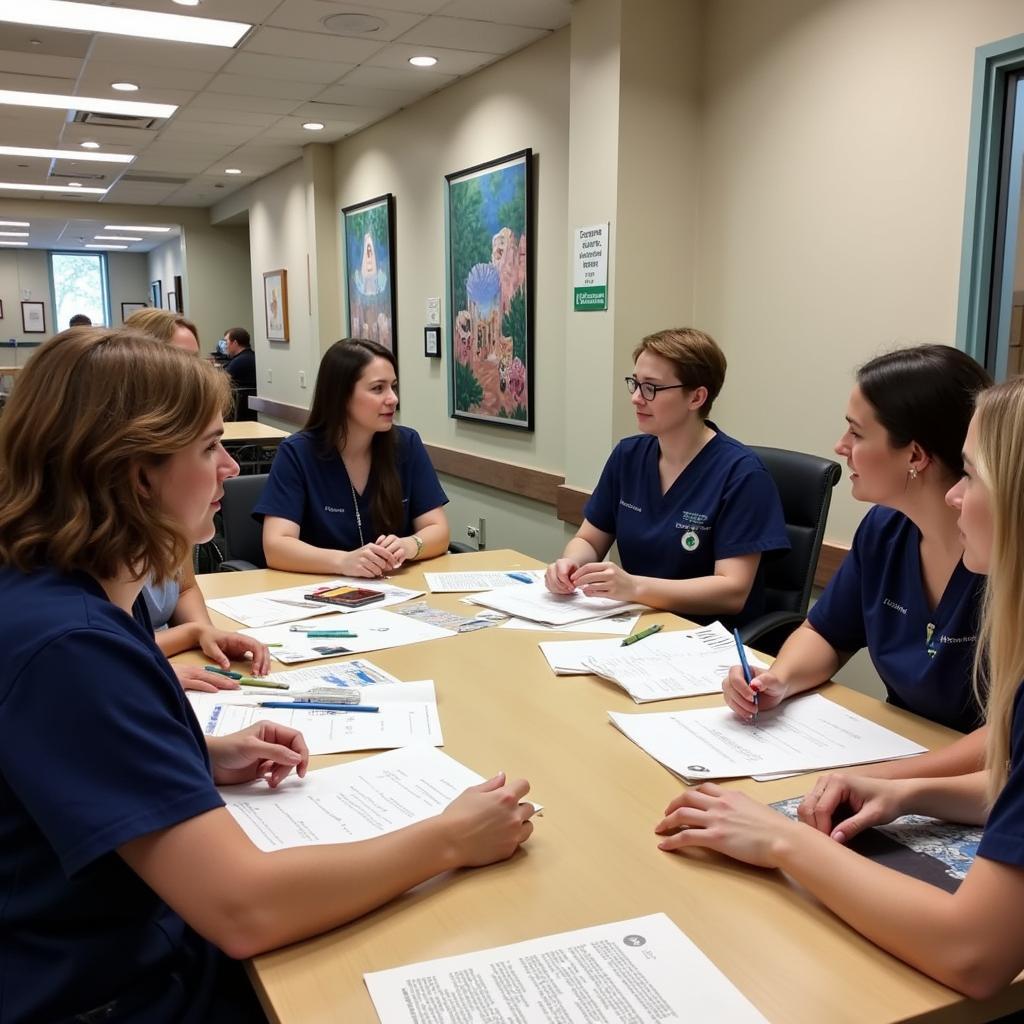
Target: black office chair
805 485
240 404
243 535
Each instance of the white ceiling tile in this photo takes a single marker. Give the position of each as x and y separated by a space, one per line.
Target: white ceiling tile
337 112
53 42
464 34
15 63
449 62
152 54
408 80
229 101
36 83
309 15
227 133
175 163
98 75
383 8
315 45
549 14
251 11
243 85
379 101
115 140
291 69
207 115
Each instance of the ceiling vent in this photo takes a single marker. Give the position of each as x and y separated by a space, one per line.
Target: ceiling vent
118 120
63 176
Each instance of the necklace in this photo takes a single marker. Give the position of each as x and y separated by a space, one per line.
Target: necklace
359 518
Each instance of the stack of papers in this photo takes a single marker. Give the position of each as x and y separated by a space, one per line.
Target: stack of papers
539 605
619 625
801 735
349 802
375 631
288 605
407 717
466 582
644 971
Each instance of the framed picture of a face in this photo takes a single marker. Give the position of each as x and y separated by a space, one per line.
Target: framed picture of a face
490 306
275 300
369 244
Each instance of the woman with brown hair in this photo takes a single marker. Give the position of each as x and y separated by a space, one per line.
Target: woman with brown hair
166 326
352 494
111 467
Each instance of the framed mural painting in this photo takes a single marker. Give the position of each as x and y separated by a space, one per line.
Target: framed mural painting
275 301
369 230
490 300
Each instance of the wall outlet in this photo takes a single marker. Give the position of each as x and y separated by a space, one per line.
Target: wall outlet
270 376
302 378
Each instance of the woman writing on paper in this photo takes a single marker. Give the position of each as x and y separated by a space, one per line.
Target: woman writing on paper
111 467
904 590
352 494
973 939
692 510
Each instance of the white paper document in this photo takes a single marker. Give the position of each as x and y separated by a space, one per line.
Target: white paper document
375 631
407 717
539 605
642 971
613 625
289 605
466 582
801 735
357 672
349 802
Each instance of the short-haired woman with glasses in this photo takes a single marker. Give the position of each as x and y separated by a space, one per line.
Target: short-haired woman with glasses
691 509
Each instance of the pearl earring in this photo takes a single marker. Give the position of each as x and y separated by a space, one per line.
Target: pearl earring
913 472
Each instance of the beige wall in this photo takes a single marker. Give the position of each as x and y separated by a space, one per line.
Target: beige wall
164 263
217 281
128 275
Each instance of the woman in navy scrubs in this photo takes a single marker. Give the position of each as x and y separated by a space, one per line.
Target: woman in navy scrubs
903 591
111 468
971 940
692 510
352 494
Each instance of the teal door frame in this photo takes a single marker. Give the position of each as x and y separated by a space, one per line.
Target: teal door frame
993 65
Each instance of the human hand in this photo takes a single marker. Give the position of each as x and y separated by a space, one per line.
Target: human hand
488 822
371 561
195 677
739 695
726 821
265 750
605 579
222 648
558 576
397 547
873 802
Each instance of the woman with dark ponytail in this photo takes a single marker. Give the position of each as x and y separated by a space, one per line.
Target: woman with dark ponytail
352 494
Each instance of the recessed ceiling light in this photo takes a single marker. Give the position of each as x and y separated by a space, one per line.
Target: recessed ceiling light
13 243
232 170
313 126
89 145
423 62
68 154
118 238
124 86
187 3
94 104
74 184
106 247
178 28
20 186
14 234
131 227
15 223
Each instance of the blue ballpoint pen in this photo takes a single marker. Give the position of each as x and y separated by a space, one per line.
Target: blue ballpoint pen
747 674
310 706
521 576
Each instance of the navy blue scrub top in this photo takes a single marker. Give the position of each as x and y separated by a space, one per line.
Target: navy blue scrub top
876 600
724 504
1003 839
312 489
98 746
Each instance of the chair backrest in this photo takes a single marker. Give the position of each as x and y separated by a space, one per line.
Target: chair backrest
240 404
805 485
243 535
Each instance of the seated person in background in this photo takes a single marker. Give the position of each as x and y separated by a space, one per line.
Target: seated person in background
241 368
971 940
123 875
165 326
352 494
904 590
79 320
692 510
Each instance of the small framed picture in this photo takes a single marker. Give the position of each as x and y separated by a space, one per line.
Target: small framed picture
275 300
156 294
127 308
179 293
432 341
33 318
1 309
172 302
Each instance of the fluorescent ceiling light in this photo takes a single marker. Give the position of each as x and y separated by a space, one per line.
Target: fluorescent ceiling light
14 234
117 21
15 223
131 227
313 126
187 3
106 247
20 186
232 170
124 86
423 62
67 154
118 238
13 243
94 104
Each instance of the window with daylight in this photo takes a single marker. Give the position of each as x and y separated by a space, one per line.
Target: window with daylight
79 286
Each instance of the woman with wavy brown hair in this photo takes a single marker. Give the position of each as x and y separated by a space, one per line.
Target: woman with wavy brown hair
111 467
166 326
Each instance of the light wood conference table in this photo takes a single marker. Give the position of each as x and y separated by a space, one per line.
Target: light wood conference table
593 857
252 432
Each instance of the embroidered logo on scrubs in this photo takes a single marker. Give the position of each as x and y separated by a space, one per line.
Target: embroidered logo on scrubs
690 541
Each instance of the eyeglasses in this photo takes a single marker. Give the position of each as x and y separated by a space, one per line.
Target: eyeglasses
648 390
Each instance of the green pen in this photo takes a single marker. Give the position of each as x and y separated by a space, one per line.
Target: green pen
649 631
344 633
245 680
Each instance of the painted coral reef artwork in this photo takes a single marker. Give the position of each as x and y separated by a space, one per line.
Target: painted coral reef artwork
490 307
369 230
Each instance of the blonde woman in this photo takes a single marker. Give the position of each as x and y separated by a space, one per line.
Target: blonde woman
166 326
973 939
111 468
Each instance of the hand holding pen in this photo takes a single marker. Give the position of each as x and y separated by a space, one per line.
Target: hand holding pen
746 695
